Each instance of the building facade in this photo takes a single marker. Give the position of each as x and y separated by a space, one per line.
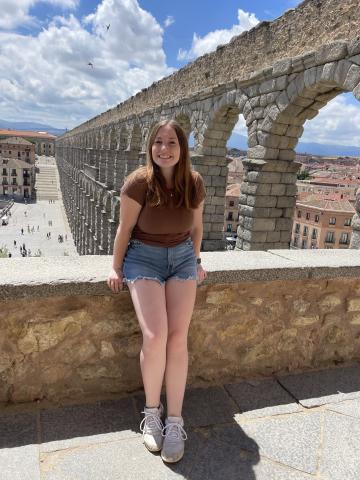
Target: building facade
17 164
44 142
322 223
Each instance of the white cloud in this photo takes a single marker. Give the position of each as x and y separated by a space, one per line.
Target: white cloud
46 77
208 43
169 21
16 12
338 123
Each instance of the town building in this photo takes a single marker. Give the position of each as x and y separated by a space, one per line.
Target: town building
43 141
231 216
17 168
321 222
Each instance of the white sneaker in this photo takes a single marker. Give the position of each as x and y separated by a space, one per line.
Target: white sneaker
152 427
174 441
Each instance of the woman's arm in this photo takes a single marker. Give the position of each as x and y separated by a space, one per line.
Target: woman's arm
129 213
196 234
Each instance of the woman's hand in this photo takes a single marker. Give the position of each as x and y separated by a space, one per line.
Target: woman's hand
115 280
201 274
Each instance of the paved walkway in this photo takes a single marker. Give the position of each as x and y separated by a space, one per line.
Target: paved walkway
37 219
296 427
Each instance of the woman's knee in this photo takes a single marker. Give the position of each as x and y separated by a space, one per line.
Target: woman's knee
154 342
177 342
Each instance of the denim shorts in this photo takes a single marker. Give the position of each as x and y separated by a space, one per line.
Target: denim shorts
149 262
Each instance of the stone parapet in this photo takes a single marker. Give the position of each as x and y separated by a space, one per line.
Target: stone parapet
64 335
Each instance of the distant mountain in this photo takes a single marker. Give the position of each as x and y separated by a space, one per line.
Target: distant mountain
32 127
240 141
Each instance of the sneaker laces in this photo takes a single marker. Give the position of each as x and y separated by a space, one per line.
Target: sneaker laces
151 423
174 431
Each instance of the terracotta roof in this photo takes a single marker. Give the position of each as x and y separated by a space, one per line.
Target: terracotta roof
336 181
320 202
26 133
16 141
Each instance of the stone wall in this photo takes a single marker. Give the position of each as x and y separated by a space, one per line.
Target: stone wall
64 336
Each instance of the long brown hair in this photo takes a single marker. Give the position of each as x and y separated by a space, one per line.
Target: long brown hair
184 179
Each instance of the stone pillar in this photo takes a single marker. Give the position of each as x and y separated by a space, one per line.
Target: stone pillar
109 169
213 170
111 237
267 201
355 224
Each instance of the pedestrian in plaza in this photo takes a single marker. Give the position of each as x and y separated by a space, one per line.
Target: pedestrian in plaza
161 215
15 243
33 229
23 246
22 231
20 249
38 228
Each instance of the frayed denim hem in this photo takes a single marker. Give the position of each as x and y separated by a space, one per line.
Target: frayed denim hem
141 277
190 277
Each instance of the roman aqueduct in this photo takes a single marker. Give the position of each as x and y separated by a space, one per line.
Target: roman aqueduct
277 75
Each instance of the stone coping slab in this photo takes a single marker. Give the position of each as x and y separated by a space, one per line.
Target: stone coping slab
86 275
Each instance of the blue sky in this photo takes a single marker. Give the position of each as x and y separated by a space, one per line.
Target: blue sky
46 47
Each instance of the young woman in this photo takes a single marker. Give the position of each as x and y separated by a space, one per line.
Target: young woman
161 215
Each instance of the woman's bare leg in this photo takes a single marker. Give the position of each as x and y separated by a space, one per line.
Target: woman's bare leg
180 300
148 297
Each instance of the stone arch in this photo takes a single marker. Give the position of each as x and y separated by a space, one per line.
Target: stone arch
184 120
220 123
135 137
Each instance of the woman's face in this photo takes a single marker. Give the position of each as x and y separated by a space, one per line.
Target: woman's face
166 149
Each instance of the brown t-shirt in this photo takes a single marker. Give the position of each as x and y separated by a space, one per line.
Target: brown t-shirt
164 226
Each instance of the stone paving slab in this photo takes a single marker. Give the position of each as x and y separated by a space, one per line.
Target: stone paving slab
21 463
202 406
312 389
293 440
74 426
19 452
262 398
350 408
102 441
227 452
341 447
122 460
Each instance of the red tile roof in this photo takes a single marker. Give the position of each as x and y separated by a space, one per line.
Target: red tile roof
26 133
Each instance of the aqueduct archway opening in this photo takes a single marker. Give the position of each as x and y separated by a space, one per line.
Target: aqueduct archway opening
294 73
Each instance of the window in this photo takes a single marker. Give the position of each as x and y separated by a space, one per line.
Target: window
307 216
19 154
305 231
344 238
304 243
230 216
347 222
9 152
296 241
330 237
314 234
299 214
13 172
332 221
297 228
317 218
229 227
231 203
4 171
